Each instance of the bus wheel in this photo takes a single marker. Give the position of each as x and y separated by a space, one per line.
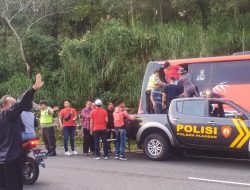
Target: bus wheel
156 147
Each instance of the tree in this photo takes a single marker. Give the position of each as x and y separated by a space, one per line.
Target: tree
22 15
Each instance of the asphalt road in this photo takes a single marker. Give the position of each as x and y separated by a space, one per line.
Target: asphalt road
85 173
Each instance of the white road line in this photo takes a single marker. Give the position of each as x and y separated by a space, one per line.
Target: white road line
219 181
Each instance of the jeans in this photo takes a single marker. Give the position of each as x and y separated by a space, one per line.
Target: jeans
49 139
158 108
88 142
102 134
120 142
11 175
28 136
149 104
69 133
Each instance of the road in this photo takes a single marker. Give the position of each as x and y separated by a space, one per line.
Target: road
85 173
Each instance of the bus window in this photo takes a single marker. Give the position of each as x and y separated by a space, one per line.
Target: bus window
202 75
234 72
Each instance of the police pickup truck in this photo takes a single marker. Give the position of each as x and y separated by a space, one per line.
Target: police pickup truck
193 123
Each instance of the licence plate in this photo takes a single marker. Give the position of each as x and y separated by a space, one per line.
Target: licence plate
39 155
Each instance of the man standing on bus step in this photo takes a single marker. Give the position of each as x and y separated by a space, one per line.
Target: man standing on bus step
11 174
170 92
46 123
98 127
151 85
156 98
171 71
185 81
67 118
120 115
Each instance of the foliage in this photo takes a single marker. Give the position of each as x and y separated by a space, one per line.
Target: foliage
99 48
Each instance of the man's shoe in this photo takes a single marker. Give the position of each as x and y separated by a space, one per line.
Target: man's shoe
75 153
117 156
123 158
67 153
106 157
48 152
53 153
97 158
85 154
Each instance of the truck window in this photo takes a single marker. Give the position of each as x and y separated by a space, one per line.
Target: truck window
194 108
221 110
179 105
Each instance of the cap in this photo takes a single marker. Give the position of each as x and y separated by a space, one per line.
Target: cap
98 102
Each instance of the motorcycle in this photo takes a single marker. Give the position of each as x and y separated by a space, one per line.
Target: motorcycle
33 157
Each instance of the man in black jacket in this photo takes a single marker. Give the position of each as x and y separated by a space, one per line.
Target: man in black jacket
11 139
110 124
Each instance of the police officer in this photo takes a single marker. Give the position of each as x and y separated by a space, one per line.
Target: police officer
46 123
11 137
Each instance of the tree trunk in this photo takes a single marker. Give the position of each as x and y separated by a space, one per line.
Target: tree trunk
132 13
203 4
28 67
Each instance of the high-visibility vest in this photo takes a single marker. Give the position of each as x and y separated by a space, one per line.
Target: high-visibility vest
45 117
151 82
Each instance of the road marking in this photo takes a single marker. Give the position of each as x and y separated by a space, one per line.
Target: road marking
219 181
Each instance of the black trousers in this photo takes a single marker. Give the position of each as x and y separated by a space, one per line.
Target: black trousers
111 135
11 175
102 134
88 141
149 106
49 139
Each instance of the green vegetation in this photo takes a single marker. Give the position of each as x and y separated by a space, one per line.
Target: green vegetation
99 48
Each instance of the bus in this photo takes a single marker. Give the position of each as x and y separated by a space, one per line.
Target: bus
228 76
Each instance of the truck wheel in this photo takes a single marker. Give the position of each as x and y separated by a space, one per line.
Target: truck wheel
156 147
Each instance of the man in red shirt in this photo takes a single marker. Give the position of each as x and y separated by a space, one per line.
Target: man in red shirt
171 71
98 126
67 117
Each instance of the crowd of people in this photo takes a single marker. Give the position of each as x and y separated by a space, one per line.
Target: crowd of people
18 123
99 125
165 84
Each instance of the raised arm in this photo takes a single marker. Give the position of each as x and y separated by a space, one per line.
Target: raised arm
14 111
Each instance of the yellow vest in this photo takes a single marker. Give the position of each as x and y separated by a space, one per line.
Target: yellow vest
45 117
151 82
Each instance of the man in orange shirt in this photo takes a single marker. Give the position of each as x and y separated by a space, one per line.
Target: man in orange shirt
67 117
98 127
120 115
171 71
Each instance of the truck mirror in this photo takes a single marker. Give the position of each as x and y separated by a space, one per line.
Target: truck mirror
238 115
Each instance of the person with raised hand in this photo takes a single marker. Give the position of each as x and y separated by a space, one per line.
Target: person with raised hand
11 174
